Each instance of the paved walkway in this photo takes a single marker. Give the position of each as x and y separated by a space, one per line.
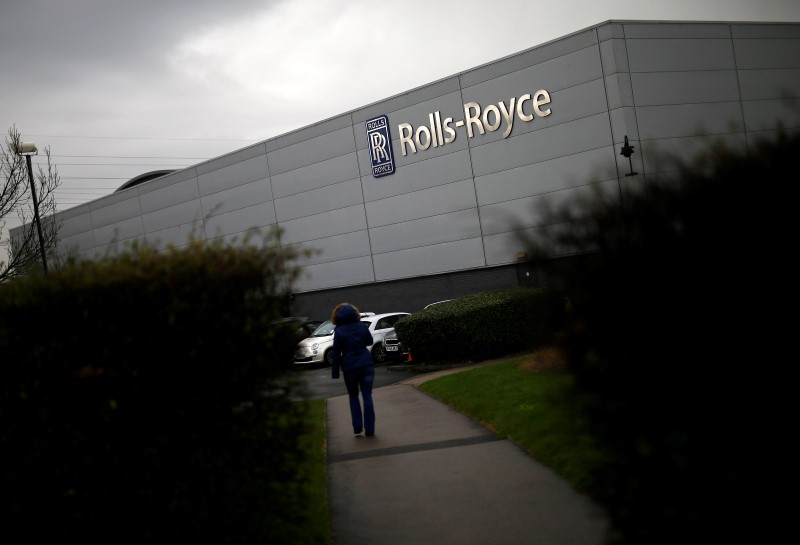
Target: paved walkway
431 475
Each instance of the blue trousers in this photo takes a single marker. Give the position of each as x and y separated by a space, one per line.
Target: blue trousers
361 379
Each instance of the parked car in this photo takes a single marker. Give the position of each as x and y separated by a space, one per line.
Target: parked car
316 349
307 328
394 349
436 303
303 327
380 325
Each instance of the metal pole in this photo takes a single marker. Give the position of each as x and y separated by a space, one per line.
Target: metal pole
36 213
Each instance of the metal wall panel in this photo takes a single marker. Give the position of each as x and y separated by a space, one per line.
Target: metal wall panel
335 222
118 231
178 235
546 176
770 83
155 198
420 204
766 53
609 31
557 141
619 90
762 115
338 273
656 153
237 197
540 54
624 123
111 210
426 231
614 56
569 104
241 220
315 150
503 247
754 137
116 247
234 175
74 223
689 119
233 158
76 243
765 30
450 256
186 212
324 199
404 100
677 30
657 88
554 75
167 180
531 211
432 172
311 177
309 132
680 55
336 248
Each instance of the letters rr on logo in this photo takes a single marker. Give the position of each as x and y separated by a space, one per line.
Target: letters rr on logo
379 140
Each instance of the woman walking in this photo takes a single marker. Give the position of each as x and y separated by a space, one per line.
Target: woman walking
350 341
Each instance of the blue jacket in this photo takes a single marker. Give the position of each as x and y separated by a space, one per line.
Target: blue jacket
350 341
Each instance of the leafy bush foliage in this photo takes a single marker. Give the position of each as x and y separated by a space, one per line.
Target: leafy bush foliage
142 399
676 339
481 326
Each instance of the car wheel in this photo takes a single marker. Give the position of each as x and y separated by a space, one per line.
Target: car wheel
329 357
378 353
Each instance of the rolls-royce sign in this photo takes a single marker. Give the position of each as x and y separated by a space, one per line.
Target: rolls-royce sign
379 140
440 131
491 119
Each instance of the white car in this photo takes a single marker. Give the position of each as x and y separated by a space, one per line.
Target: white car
317 348
379 326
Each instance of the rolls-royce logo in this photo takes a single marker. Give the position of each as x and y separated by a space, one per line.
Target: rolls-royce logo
380 146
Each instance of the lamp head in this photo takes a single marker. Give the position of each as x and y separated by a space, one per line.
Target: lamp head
27 148
627 149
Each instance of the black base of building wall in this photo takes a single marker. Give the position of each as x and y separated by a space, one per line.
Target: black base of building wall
412 294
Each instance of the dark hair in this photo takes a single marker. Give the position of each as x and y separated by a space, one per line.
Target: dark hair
338 308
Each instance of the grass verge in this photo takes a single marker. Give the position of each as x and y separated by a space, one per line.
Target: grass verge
318 518
535 408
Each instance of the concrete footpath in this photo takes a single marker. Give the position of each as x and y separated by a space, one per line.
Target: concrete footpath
431 475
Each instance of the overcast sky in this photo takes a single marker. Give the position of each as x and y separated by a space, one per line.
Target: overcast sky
106 83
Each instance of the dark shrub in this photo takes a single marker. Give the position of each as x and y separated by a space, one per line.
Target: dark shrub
142 400
481 326
676 338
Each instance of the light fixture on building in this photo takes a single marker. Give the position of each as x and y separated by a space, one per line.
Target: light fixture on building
522 256
627 151
27 149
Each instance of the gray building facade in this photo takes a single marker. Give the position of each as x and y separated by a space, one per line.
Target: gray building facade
473 155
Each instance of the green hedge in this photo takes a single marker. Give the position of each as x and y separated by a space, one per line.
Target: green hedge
680 338
142 399
481 326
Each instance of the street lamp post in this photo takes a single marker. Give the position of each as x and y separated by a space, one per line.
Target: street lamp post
27 149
